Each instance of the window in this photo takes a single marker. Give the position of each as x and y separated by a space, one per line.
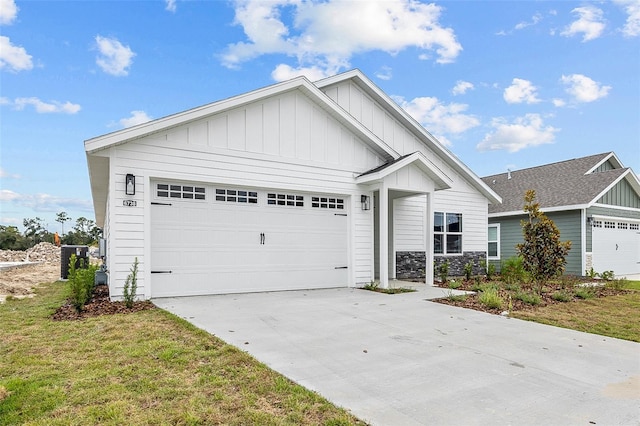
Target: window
597 224
236 196
190 192
634 226
609 225
493 247
622 225
290 200
447 228
327 203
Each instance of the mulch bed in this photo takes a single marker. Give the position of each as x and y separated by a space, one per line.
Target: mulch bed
472 302
99 304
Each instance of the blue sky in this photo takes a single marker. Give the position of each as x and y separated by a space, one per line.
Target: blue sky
501 84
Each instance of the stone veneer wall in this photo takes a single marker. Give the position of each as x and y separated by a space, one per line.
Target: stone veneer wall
411 264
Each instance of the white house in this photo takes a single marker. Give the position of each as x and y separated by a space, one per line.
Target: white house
281 188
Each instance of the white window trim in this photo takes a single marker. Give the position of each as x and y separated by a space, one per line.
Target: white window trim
445 233
493 225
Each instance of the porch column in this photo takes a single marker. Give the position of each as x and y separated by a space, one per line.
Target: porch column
384 236
429 240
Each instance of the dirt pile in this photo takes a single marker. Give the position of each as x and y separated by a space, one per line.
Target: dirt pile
42 252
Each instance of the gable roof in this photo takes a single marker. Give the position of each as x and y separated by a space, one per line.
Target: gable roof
441 180
563 185
373 91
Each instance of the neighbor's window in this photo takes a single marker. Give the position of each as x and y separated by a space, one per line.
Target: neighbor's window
447 237
493 247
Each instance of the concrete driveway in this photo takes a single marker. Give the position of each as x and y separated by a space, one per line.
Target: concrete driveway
403 360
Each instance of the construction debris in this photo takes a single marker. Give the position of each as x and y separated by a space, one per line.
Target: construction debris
42 252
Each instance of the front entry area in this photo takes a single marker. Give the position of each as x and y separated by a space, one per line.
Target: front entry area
214 239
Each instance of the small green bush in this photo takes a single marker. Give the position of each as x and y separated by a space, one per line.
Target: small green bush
455 284
562 296
528 298
372 286
584 293
490 298
591 273
81 282
489 267
512 287
618 284
456 297
607 275
443 271
468 270
512 270
131 285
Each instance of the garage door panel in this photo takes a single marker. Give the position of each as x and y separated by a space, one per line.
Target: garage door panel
217 247
616 247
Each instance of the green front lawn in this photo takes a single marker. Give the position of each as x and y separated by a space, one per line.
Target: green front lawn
148 367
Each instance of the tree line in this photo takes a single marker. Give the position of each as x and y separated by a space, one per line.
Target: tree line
84 232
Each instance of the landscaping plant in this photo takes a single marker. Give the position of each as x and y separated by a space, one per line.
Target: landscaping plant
443 271
81 282
468 270
131 285
543 254
512 270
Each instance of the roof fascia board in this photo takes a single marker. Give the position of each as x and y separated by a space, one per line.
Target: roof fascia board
442 180
301 83
375 92
543 210
619 218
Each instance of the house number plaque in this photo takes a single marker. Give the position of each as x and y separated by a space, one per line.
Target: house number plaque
129 203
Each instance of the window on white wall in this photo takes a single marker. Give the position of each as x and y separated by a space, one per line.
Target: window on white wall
447 233
493 247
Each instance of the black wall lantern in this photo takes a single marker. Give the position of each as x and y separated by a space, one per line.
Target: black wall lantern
365 200
130 184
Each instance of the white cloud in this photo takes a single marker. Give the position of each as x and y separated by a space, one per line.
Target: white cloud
44 107
13 58
590 23
632 8
385 73
325 35
523 132
45 202
137 117
114 57
524 24
8 12
461 87
437 117
284 72
6 174
170 5
584 89
10 221
559 102
520 91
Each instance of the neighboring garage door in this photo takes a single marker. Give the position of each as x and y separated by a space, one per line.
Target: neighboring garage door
616 246
219 239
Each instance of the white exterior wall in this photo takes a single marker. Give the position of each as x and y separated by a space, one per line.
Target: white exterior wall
284 142
461 198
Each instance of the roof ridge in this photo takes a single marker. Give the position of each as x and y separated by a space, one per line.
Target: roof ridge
603 154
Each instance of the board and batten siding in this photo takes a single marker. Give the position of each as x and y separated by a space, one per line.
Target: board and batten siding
285 142
461 198
622 195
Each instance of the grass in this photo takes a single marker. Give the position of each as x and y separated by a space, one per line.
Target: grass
613 316
145 368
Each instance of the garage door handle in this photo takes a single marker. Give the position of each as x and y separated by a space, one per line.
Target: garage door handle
160 272
262 238
341 267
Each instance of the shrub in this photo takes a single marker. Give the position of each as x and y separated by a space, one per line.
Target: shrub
455 284
584 293
607 275
468 270
131 285
562 296
490 298
591 273
81 282
456 297
528 298
512 270
443 271
618 284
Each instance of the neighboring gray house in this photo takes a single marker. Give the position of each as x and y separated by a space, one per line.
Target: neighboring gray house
297 185
594 201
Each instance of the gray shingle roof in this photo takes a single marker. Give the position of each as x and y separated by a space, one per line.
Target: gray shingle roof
556 185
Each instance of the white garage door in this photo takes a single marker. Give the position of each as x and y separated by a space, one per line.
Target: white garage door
217 239
616 246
